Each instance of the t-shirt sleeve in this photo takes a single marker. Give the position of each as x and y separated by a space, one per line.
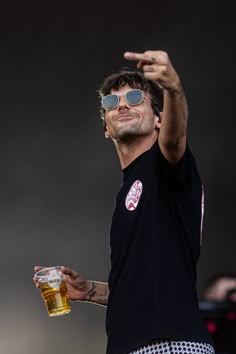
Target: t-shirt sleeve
176 177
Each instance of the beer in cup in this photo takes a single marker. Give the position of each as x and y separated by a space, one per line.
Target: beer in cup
53 290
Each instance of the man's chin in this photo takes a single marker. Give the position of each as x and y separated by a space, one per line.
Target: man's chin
126 134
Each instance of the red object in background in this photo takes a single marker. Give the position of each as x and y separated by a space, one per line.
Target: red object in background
211 325
231 316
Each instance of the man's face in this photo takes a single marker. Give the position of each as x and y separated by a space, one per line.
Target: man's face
127 121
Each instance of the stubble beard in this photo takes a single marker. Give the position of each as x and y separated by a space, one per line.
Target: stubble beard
128 133
126 130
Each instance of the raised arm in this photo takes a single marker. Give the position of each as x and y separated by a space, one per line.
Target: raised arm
157 66
80 289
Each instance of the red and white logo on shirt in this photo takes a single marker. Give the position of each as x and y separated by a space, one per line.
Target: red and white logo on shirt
134 195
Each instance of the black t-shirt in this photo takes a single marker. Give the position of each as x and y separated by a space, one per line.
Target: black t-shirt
155 241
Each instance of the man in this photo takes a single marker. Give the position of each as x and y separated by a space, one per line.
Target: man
155 238
218 309
221 287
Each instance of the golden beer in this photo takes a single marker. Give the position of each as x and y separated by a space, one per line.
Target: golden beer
54 291
56 299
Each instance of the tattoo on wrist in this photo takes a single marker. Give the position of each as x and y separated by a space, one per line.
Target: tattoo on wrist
92 291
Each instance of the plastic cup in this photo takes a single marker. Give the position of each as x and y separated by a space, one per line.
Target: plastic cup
54 291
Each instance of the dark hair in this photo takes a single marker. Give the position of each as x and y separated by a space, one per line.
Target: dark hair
134 79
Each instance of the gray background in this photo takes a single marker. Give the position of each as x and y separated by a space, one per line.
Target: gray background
59 175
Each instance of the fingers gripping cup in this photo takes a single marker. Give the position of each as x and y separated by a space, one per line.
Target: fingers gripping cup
54 291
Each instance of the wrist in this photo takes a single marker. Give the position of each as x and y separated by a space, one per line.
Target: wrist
91 291
175 90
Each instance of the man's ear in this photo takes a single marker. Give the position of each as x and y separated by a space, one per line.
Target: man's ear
105 130
158 120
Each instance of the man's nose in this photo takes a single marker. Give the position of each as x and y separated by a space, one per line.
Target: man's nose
123 103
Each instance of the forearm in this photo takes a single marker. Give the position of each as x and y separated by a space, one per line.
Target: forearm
175 114
172 136
98 293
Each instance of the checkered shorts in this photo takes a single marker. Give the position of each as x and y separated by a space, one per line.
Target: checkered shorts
172 347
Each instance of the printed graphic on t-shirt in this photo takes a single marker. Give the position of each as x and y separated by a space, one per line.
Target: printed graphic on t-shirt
134 195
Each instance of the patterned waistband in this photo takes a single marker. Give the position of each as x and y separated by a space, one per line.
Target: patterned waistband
172 347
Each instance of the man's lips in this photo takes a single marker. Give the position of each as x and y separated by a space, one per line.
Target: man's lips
125 116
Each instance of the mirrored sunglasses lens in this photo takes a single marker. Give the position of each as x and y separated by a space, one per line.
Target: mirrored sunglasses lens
134 97
110 102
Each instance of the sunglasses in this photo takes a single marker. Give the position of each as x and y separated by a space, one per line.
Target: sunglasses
132 97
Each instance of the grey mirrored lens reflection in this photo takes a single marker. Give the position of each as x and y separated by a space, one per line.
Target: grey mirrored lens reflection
110 102
134 97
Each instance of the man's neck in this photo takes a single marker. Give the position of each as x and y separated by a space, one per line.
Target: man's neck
128 151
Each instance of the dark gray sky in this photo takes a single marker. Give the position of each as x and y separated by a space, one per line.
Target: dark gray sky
59 175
